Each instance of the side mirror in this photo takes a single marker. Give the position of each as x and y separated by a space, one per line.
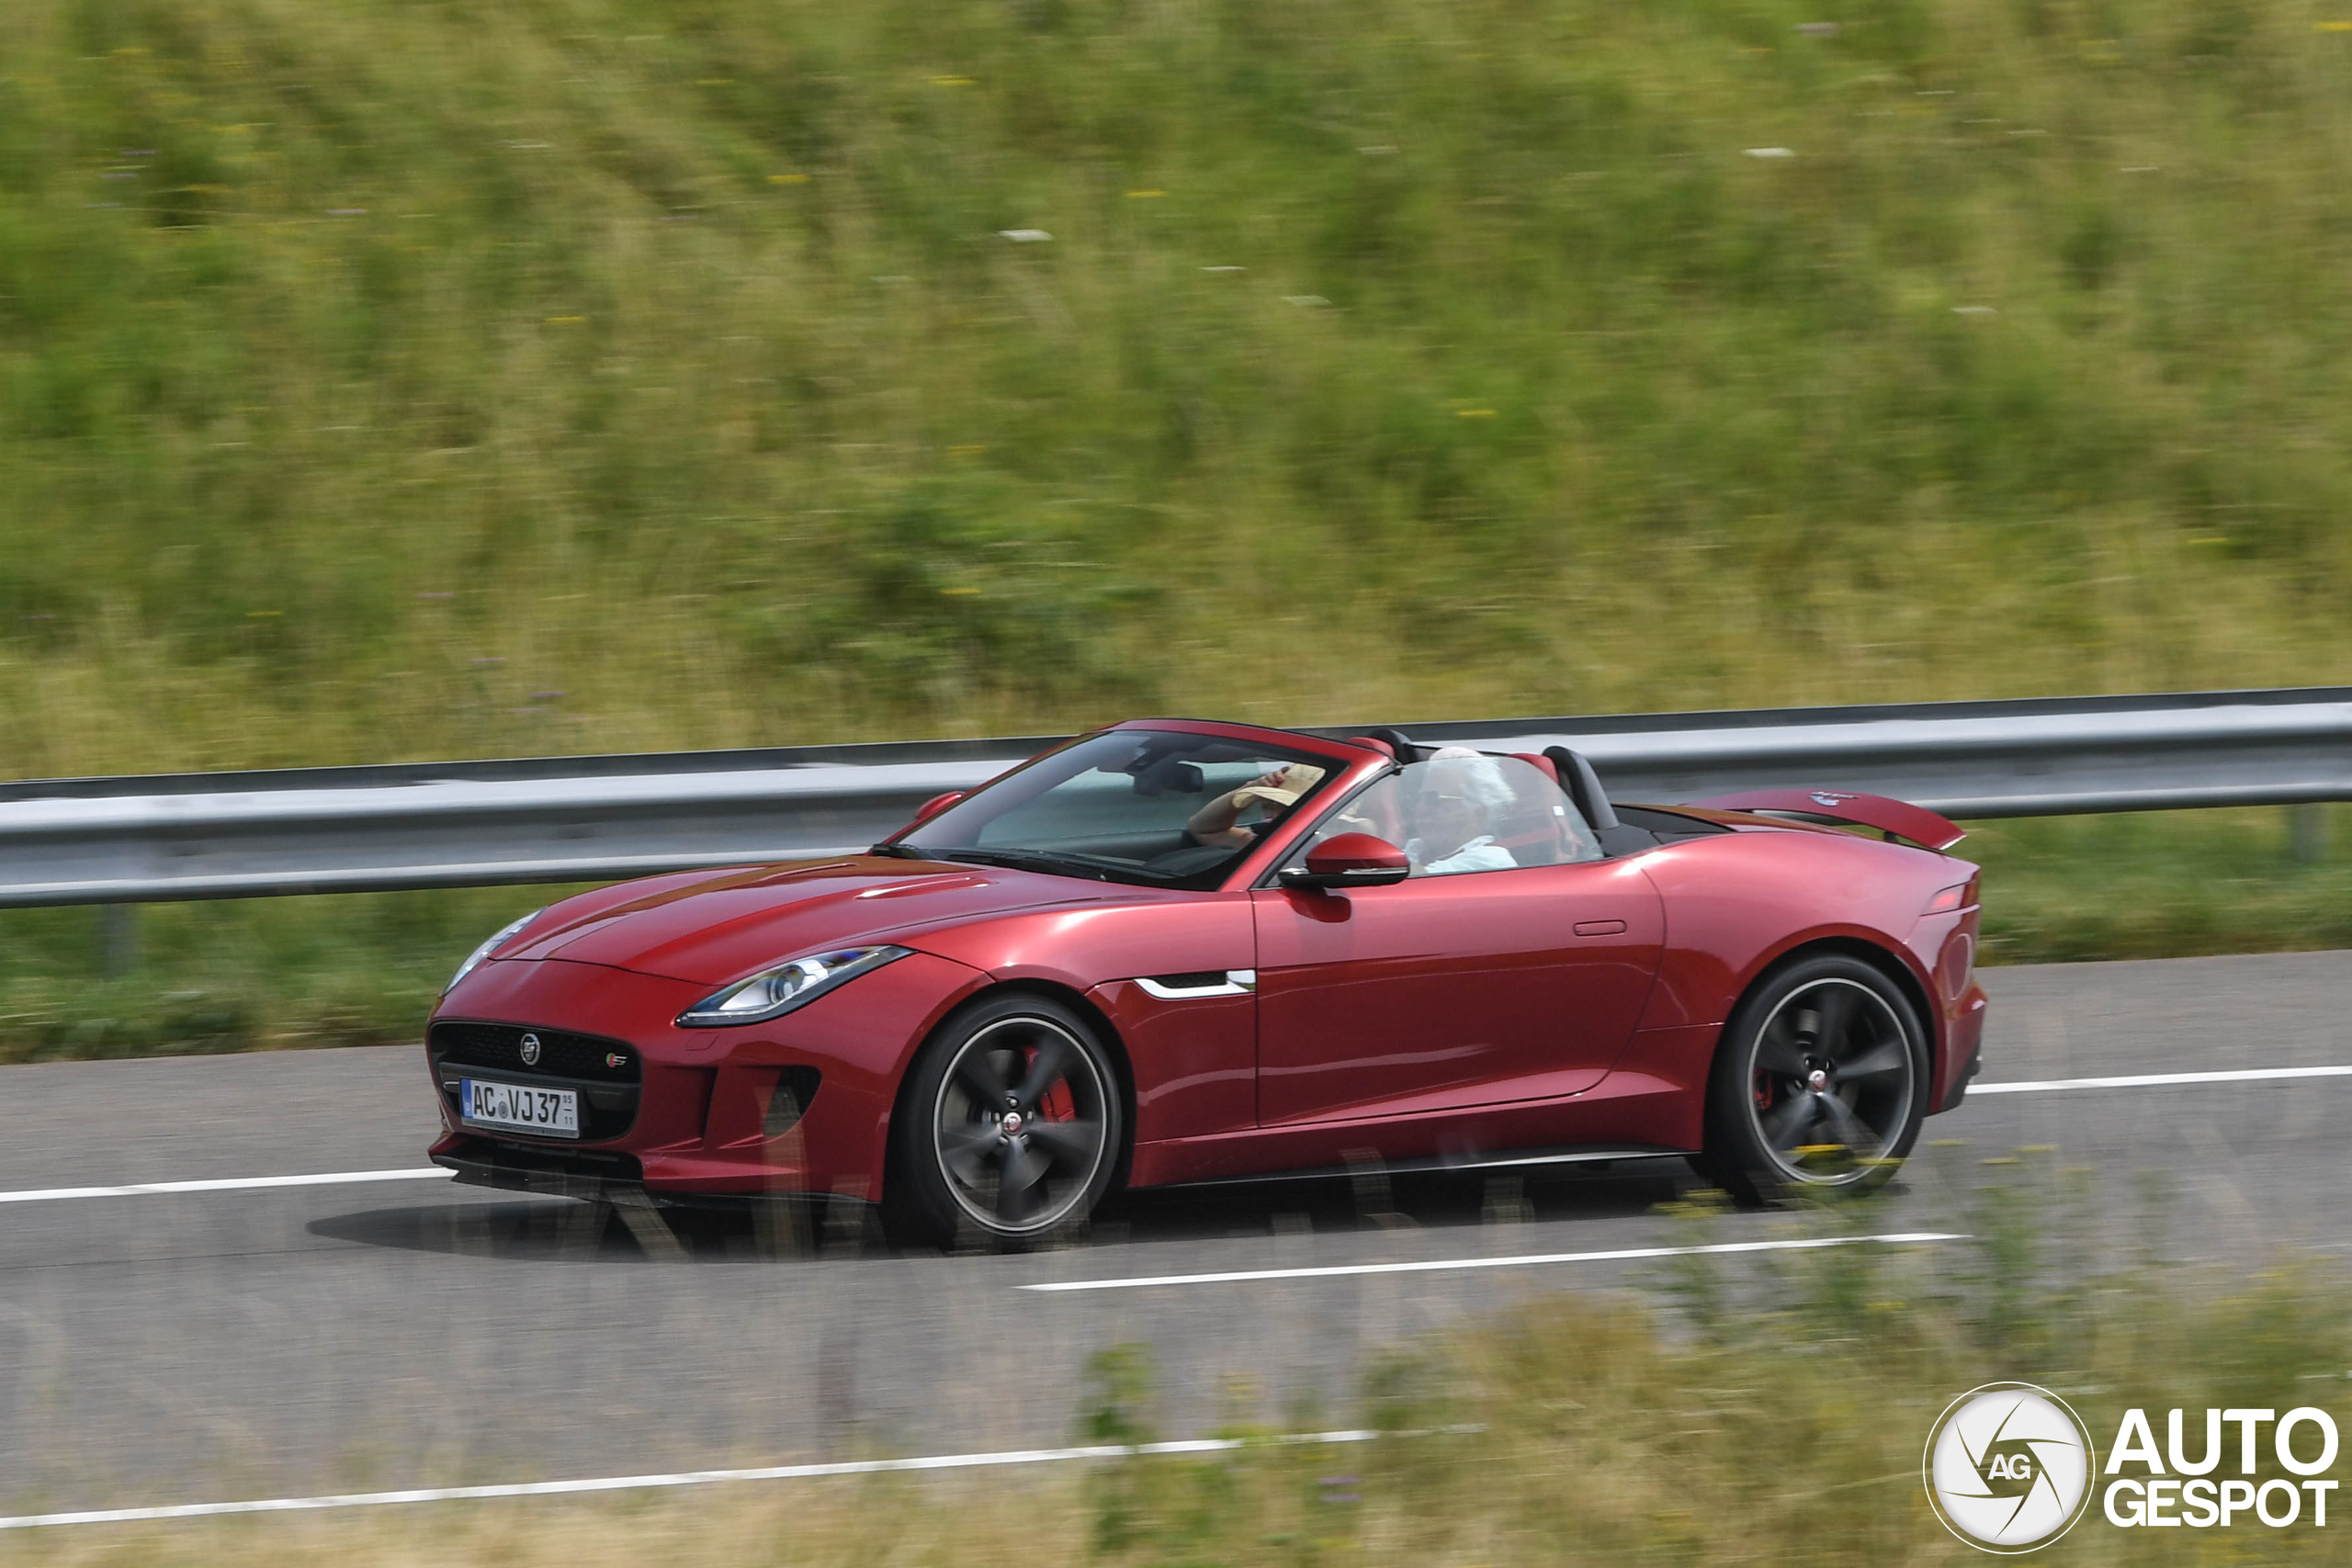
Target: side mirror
1349 860
936 805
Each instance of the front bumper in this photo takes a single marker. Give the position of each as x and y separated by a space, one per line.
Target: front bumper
799 1105
514 1165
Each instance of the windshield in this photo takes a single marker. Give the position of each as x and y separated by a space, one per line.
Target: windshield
1143 805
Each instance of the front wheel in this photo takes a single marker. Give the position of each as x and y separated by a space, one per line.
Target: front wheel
1820 1082
1010 1129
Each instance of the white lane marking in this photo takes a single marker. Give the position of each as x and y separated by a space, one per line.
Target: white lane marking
228 1184
2155 1080
1443 1264
644 1482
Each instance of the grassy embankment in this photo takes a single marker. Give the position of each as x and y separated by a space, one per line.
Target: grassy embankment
370 372
1768 1415
391 381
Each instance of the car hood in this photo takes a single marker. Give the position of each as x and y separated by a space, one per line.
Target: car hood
711 928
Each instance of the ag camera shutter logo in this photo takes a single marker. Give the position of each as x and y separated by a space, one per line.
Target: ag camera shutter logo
2009 1468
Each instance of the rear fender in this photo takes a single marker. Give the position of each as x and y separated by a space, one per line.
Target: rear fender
1738 903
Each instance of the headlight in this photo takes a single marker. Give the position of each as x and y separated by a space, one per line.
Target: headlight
785 986
486 949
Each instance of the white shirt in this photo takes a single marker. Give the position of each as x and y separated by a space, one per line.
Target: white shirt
1481 853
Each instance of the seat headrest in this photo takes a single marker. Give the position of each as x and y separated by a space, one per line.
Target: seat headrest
1401 748
1543 765
1583 786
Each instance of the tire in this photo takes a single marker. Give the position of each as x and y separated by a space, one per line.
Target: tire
1820 1083
1009 1130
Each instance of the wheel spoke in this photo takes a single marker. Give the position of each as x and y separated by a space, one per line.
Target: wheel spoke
966 1149
1888 1056
981 1076
1018 1178
1786 1122
1072 1144
1777 1053
1833 1011
1053 1055
1855 1133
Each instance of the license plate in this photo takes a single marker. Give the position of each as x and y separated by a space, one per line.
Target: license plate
552 1111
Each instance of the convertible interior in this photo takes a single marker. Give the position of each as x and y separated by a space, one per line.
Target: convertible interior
1129 810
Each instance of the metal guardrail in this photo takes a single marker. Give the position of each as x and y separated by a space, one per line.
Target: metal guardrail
586 819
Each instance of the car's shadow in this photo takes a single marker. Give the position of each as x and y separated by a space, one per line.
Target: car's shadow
567 1230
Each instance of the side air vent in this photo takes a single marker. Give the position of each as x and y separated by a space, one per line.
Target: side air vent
1193 983
796 1088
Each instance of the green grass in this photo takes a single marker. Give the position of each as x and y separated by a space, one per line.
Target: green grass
365 968
395 378
264 974
2160 885
1753 1411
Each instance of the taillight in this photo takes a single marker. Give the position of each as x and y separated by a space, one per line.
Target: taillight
1951 898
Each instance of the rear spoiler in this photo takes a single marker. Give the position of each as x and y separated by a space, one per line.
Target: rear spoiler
1895 817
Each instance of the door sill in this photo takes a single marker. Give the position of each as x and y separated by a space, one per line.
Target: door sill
1501 1159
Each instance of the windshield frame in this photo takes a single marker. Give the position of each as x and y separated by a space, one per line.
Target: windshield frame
1348 766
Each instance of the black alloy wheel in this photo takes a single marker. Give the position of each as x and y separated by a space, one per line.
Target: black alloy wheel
1010 1129
1820 1082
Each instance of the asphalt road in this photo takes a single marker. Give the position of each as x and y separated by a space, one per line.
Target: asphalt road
164 1346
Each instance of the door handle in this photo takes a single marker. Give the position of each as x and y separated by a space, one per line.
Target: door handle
1600 928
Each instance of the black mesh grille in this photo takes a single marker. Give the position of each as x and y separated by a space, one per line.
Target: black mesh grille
561 1055
604 1072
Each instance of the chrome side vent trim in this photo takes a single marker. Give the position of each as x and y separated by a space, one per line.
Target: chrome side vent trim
1199 983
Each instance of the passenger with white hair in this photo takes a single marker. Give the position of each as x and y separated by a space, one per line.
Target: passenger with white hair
1462 793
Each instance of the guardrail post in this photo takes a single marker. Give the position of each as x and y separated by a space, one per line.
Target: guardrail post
2307 834
118 940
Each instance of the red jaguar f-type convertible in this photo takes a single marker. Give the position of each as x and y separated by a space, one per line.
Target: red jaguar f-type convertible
1175 951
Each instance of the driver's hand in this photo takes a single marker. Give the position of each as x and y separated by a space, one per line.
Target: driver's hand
1263 780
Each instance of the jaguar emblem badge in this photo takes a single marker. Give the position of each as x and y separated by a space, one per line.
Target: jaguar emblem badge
1829 798
530 1050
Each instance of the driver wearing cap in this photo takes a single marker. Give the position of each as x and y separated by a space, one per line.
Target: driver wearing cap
1219 823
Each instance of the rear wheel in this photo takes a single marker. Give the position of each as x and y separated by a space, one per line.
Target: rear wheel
1010 1129
1820 1082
